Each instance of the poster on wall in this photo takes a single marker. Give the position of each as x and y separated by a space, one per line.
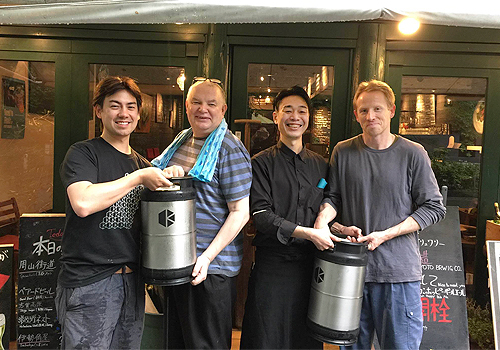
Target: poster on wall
160 116
13 108
147 114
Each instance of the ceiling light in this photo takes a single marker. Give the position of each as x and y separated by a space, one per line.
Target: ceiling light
408 26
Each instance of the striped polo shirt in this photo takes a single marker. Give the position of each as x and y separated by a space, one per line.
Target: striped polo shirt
231 181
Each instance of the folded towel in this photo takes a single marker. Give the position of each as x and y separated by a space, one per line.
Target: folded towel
205 164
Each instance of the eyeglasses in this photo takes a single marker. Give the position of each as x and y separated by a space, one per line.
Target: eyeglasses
202 79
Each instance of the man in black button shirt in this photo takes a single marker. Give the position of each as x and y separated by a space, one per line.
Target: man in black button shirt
287 190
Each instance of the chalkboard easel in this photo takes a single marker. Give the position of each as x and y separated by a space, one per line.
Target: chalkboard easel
443 285
39 252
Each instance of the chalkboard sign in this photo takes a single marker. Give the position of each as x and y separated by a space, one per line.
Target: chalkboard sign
6 265
39 252
443 285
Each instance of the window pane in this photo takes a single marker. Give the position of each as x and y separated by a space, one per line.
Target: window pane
27 135
446 115
265 81
162 105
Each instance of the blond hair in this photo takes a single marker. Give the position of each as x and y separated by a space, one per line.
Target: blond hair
375 85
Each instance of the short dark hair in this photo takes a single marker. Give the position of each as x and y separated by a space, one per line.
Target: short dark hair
293 91
111 85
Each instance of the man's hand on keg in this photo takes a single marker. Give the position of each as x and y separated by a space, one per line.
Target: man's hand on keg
173 171
377 238
153 178
321 237
200 270
374 239
352 232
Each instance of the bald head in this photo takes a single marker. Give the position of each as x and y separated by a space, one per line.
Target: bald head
221 92
205 107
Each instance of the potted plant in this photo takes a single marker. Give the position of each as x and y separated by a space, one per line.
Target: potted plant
480 326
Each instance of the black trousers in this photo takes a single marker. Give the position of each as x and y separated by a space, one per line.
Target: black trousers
200 317
277 303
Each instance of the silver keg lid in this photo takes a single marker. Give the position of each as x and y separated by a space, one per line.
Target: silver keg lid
182 189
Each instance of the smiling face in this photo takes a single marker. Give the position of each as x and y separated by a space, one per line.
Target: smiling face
119 114
292 118
374 113
205 108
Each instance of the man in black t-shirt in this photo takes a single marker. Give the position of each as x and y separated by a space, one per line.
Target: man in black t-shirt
99 300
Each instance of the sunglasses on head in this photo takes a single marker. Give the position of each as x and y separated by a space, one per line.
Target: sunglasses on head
202 79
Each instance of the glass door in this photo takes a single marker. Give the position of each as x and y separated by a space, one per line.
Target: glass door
259 73
451 110
446 115
27 93
162 90
265 81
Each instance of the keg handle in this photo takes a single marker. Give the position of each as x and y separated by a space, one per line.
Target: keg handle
344 240
175 187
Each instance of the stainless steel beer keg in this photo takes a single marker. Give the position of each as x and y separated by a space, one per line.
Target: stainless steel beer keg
168 244
337 293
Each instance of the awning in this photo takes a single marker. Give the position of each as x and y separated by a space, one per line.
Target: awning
453 13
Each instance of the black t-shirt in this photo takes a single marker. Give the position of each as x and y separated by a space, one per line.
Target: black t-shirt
96 246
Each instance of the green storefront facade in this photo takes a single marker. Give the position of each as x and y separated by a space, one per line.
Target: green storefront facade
357 51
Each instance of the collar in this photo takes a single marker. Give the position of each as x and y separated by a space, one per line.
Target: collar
291 154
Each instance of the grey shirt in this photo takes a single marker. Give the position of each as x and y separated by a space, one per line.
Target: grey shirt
377 189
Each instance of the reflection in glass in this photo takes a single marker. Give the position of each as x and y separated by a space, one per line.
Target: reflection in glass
446 115
162 107
27 135
266 80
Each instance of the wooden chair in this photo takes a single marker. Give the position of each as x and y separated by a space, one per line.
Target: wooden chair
9 218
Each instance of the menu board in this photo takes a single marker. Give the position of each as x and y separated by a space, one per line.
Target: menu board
39 252
443 285
6 265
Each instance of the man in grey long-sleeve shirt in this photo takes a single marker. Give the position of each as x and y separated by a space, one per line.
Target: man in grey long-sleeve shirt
384 184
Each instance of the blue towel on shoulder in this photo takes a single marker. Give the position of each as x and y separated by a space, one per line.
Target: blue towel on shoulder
205 164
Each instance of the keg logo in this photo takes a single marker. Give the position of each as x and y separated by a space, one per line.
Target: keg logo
166 218
319 274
